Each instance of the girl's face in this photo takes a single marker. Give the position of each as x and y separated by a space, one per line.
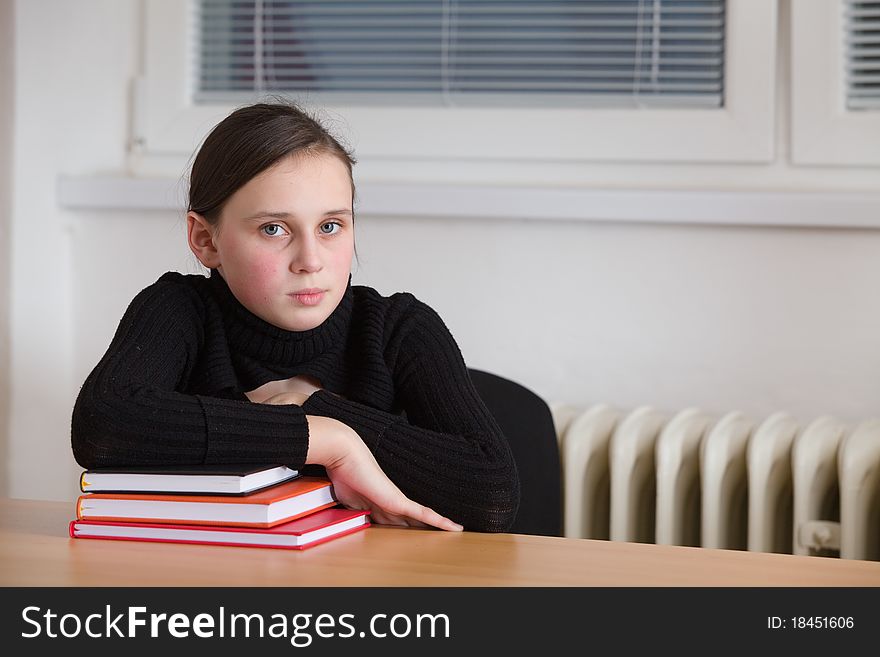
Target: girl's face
285 240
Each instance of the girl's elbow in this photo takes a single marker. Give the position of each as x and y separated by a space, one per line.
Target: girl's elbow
496 508
91 437
90 448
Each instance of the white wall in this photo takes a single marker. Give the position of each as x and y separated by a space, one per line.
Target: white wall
71 103
728 318
7 52
757 320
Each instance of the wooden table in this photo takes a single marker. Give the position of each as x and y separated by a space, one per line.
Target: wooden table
35 550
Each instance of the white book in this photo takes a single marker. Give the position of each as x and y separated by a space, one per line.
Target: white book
233 479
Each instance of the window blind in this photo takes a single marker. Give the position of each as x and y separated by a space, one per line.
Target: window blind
862 55
614 53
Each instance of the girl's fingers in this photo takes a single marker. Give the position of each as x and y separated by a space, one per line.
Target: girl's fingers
430 517
445 523
415 516
386 519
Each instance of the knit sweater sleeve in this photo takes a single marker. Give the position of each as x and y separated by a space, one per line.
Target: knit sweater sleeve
131 409
448 453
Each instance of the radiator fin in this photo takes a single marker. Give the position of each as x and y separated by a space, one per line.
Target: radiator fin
678 478
770 485
859 473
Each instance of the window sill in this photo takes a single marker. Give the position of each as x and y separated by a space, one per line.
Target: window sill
737 208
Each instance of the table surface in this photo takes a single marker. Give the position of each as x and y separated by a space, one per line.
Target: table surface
36 550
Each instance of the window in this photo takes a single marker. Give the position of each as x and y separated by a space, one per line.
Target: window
836 83
628 53
863 55
640 104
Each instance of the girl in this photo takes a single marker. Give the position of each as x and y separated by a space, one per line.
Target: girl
276 358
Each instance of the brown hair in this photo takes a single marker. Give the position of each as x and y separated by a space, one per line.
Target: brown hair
249 141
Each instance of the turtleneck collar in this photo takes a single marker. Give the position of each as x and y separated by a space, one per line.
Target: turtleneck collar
264 342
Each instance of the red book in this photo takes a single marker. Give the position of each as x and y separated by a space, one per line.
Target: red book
318 527
265 508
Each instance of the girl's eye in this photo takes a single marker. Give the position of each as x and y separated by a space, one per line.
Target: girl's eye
271 230
329 228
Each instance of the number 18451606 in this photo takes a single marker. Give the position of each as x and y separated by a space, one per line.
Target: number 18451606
810 622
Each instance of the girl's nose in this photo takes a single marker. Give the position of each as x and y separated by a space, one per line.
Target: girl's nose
306 256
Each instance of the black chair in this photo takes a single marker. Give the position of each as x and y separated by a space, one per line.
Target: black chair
528 425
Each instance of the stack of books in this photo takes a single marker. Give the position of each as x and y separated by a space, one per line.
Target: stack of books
265 506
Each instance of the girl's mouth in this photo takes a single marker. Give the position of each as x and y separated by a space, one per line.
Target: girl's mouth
309 299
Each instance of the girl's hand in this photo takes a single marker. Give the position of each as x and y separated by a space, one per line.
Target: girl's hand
296 398
359 482
295 390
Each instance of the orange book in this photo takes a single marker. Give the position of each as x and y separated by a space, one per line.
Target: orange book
265 508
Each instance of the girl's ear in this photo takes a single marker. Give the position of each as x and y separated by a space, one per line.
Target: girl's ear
200 235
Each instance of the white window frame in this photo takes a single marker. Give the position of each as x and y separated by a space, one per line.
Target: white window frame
168 127
823 130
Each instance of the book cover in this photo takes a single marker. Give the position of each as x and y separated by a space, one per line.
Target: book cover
265 508
226 479
313 529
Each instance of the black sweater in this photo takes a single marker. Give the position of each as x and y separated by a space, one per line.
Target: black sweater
171 390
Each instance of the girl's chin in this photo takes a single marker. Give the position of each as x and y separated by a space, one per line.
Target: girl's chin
305 319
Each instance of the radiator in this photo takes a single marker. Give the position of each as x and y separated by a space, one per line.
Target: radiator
721 482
